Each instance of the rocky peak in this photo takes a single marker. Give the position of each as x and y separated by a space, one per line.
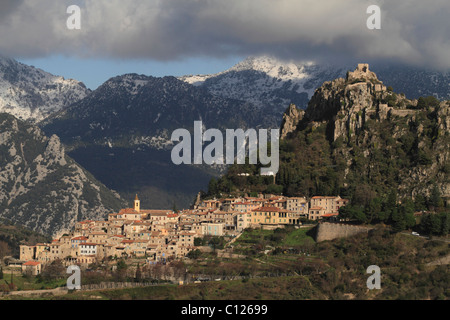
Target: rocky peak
372 136
43 188
32 94
362 72
291 118
350 102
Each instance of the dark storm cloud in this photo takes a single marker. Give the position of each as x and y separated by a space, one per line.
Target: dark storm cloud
412 31
8 6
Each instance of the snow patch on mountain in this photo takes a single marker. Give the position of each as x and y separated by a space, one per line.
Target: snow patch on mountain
267 82
32 94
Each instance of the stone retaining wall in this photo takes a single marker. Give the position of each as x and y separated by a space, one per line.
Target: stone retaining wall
330 231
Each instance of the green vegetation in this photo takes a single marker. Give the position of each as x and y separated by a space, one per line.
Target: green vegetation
282 288
367 208
288 236
288 264
12 236
366 167
425 102
298 237
212 241
23 282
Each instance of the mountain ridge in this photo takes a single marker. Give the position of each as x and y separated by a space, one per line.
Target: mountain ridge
41 187
126 125
358 138
32 94
272 84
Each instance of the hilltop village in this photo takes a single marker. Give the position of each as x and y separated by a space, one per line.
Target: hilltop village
164 235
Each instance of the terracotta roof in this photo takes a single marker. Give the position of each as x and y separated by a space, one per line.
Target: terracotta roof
156 211
324 197
330 215
128 211
268 209
79 238
187 233
275 198
159 214
223 212
32 263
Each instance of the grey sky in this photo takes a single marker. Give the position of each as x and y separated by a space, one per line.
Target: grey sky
413 31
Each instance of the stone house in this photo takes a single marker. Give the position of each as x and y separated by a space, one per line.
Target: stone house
32 267
316 213
87 249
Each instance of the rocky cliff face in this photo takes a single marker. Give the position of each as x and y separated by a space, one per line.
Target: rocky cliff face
378 137
41 187
350 102
291 118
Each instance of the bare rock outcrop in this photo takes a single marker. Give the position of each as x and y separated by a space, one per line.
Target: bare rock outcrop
371 130
41 187
350 102
291 118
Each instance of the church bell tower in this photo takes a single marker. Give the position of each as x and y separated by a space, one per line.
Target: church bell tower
137 204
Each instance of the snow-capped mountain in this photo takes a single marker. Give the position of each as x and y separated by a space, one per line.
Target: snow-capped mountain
138 107
268 83
32 94
125 126
272 84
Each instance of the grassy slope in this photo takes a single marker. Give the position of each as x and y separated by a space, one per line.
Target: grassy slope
327 270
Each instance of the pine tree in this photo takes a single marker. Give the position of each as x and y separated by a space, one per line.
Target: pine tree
445 223
419 203
435 199
398 220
